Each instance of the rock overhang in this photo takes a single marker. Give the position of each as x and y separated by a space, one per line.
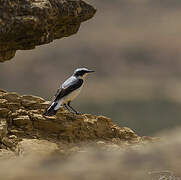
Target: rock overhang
27 24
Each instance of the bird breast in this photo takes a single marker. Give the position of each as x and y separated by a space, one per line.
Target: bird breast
73 95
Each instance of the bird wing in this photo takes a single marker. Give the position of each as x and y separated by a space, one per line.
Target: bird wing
67 87
54 97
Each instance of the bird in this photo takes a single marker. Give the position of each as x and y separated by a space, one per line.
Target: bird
67 92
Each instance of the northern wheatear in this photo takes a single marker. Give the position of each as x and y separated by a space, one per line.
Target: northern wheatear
68 91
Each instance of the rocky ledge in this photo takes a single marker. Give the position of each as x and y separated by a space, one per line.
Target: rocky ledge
23 129
27 23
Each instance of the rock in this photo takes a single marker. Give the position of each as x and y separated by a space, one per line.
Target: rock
8 142
12 137
23 122
26 24
17 132
158 161
32 98
36 147
12 97
2 90
45 104
3 128
3 103
19 112
6 154
24 129
27 103
4 112
50 125
33 102
68 127
13 106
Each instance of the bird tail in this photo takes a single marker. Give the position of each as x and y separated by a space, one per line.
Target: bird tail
52 110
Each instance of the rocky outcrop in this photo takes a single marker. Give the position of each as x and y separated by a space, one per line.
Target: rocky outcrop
69 146
159 161
26 24
24 130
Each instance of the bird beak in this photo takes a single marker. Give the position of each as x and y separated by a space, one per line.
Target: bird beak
90 71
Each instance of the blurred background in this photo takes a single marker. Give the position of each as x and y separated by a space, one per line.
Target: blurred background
135 48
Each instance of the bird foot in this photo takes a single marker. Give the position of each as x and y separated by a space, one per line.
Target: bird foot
78 113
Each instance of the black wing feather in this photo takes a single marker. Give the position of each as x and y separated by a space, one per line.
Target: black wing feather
63 92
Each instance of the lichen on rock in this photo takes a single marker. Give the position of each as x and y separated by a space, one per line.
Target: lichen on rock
26 24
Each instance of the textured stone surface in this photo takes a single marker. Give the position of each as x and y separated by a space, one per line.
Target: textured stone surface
68 146
5 154
36 147
159 161
3 128
26 24
23 129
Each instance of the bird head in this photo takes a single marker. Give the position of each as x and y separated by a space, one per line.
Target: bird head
82 72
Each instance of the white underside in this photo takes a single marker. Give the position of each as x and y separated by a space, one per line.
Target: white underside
68 98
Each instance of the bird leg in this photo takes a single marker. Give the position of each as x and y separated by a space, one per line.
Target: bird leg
76 112
67 108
